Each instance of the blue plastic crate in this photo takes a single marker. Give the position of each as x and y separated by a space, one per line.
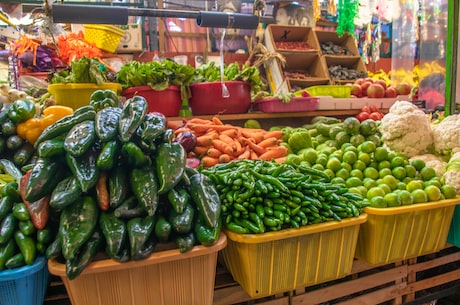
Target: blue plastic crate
24 285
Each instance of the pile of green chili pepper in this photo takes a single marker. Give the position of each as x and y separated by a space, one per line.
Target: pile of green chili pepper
20 240
259 196
118 182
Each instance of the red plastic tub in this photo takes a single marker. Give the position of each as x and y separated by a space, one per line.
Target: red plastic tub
167 101
207 98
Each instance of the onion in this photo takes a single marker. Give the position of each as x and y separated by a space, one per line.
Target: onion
193 162
188 140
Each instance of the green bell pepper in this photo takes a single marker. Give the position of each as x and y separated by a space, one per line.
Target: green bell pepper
141 242
76 225
170 165
21 110
101 99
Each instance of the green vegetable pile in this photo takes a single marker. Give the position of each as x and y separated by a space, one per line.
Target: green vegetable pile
209 72
83 70
23 235
116 179
259 196
158 75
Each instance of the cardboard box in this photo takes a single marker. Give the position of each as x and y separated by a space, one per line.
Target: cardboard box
277 33
275 77
346 41
132 39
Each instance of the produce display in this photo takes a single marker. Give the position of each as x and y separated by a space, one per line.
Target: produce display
378 88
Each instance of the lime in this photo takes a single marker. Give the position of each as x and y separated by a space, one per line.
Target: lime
406 197
350 157
336 154
427 173
399 172
329 172
375 191
414 185
353 182
354 190
369 183
385 187
350 148
391 181
397 161
433 181
377 202
359 165
305 163
449 191
357 173
362 189
373 164
308 154
368 147
334 164
374 138
433 193
371 172
364 157
384 164
401 186
380 154
318 166
407 180
391 155
419 196
385 172
418 164
345 145
322 159
293 159
338 180
392 199
347 166
411 171
342 173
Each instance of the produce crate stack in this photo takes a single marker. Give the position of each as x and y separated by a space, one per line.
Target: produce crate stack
304 65
343 61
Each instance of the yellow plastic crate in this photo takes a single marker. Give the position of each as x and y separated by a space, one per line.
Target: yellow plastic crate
105 37
395 234
337 91
276 262
164 278
78 95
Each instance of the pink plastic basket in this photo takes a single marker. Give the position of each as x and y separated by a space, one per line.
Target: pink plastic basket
296 104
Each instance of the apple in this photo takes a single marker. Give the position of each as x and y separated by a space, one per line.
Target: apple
356 90
381 82
375 91
359 81
364 87
391 92
403 88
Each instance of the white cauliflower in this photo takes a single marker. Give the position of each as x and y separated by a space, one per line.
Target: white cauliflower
406 129
437 163
452 174
446 134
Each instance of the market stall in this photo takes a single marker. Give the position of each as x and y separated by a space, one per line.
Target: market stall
284 170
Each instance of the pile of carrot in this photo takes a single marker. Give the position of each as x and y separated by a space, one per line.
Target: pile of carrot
221 143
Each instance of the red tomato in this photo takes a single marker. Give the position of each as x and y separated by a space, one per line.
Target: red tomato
373 108
362 116
375 116
365 109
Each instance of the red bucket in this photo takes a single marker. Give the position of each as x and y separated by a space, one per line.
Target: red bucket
207 98
167 101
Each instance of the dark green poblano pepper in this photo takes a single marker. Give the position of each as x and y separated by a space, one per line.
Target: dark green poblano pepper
170 165
101 99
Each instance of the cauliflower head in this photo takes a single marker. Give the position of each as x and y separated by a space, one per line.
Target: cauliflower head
406 129
446 135
437 163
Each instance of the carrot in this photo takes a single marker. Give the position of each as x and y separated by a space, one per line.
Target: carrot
180 130
213 152
222 146
273 153
204 140
256 135
198 121
200 150
246 154
201 128
253 155
255 147
273 134
207 161
272 141
225 158
238 148
280 160
215 120
232 133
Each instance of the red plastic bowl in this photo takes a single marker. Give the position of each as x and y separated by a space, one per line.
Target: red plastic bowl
207 98
167 101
